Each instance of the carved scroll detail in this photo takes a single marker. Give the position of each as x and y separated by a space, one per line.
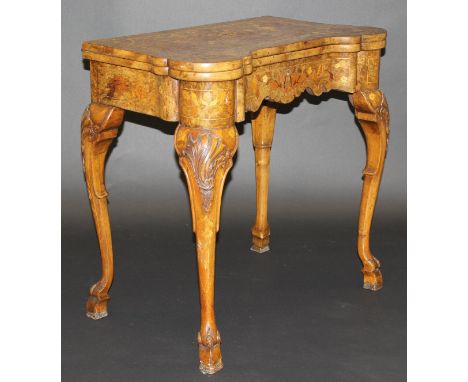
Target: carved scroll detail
371 110
206 154
205 141
98 131
284 81
373 102
88 127
99 127
372 105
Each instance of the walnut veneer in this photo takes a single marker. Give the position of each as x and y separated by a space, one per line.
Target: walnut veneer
207 78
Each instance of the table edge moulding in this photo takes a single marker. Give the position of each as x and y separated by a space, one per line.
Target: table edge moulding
207 78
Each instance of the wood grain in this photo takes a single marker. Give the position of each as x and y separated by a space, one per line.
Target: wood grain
206 140
263 127
99 127
136 90
371 110
207 78
282 82
228 50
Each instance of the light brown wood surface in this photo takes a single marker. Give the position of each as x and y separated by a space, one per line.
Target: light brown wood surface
99 127
263 128
372 113
234 46
207 78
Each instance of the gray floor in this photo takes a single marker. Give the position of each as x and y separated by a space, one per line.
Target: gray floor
297 313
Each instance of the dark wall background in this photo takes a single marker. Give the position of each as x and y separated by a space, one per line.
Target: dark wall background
318 150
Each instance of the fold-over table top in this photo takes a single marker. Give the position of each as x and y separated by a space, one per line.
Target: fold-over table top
232 41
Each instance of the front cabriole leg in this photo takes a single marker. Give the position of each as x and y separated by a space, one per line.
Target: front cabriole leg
99 127
206 140
371 110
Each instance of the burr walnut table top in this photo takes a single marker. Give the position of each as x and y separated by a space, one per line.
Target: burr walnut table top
231 49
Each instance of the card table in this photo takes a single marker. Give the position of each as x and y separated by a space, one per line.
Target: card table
207 78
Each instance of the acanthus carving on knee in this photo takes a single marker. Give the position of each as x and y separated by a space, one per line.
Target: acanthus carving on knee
371 110
99 127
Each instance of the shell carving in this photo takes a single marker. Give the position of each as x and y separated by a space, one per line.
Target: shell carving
206 154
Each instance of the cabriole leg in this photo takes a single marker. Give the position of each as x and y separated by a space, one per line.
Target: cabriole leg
372 113
206 140
263 126
99 127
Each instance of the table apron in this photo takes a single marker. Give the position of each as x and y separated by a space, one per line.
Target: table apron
159 95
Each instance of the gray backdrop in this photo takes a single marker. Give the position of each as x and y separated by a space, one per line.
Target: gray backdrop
305 291
318 151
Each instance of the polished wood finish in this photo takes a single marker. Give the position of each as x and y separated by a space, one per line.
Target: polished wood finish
229 50
206 140
207 78
99 127
372 113
263 127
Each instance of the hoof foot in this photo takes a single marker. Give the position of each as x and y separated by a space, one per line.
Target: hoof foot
209 352
259 250
96 308
372 287
96 315
373 280
259 244
211 369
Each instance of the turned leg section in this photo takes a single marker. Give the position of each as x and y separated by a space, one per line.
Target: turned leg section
263 126
206 140
99 127
372 113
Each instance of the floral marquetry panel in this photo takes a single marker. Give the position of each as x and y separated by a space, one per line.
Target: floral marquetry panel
135 90
284 81
368 66
207 104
